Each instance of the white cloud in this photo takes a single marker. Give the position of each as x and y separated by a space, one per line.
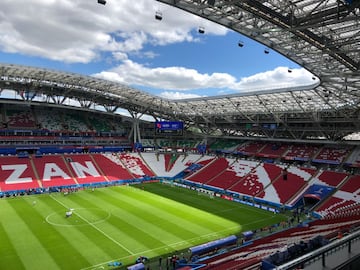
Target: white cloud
77 31
149 54
353 136
171 78
277 78
80 31
178 95
120 56
184 79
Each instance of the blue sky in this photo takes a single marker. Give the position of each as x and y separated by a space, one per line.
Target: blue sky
123 42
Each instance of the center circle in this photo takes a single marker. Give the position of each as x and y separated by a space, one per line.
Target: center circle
79 217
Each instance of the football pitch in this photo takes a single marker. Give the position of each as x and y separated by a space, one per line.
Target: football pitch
116 224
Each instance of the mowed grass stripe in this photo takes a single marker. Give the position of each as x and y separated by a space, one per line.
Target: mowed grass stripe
190 233
130 232
170 194
170 245
116 253
9 258
192 217
119 228
81 237
191 197
32 250
54 242
160 225
150 249
153 219
108 237
218 206
239 213
149 222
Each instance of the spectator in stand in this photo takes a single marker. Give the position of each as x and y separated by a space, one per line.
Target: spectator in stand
284 174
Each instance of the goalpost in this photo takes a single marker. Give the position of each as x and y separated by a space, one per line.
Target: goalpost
205 192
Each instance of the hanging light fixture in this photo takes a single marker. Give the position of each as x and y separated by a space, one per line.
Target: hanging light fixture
158 15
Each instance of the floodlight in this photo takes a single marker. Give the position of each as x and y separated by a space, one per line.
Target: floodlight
102 2
158 15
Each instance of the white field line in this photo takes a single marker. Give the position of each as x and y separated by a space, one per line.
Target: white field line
94 267
96 228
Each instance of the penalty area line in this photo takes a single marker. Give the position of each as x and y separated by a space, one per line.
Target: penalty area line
96 228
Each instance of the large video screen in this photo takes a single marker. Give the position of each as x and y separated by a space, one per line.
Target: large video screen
169 127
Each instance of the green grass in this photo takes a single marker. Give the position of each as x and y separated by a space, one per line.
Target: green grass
115 224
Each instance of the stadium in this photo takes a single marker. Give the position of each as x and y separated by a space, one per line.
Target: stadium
267 179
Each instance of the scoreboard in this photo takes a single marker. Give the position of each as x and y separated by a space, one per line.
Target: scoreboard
169 127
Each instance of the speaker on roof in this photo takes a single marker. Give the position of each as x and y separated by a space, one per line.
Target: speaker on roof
102 2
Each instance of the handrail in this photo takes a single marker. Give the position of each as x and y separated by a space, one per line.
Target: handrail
319 252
